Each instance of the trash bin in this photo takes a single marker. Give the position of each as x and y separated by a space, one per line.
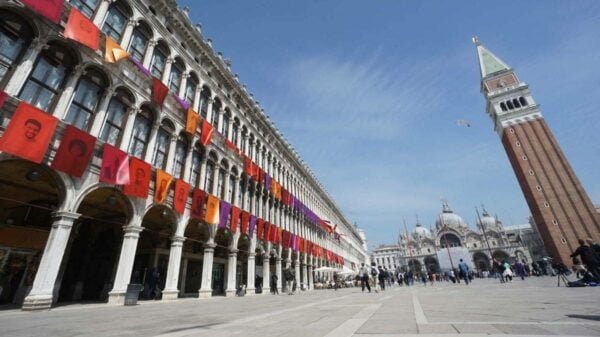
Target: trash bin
133 293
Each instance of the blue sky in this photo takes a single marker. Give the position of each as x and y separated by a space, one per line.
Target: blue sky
369 93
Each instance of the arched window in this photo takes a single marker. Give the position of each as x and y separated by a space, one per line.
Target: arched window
221 184
196 166
510 105
15 36
90 88
48 76
190 88
175 76
115 113
139 41
516 103
86 7
247 199
204 100
503 106
523 101
225 126
210 172
230 187
240 192
243 140
215 112
181 149
250 147
159 59
141 133
116 20
235 128
161 149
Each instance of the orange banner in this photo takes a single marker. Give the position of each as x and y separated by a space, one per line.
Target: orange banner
28 133
212 210
192 121
161 187
82 30
113 52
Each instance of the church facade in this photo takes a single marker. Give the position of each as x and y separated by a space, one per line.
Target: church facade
438 250
154 164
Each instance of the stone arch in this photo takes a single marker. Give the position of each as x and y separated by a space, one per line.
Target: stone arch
500 255
481 261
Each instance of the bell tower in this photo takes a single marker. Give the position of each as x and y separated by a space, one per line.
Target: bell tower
560 207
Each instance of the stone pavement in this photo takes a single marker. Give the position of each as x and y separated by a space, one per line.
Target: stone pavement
531 307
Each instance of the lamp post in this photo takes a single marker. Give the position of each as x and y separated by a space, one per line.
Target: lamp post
484 234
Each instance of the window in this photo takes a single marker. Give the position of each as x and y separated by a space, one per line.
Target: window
87 96
503 106
161 149
196 166
516 103
523 101
229 196
240 193
159 59
15 36
190 89
117 108
175 76
221 184
139 41
208 180
116 20
141 133
215 113
86 7
180 154
204 100
225 126
554 222
48 76
510 105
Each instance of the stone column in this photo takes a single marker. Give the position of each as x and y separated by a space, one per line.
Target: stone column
149 53
128 129
202 172
215 188
266 273
187 168
126 38
171 155
297 272
60 110
101 12
152 142
219 125
182 85
41 295
170 292
22 71
305 274
196 103
207 266
167 71
231 273
100 116
209 109
310 277
279 273
125 267
250 288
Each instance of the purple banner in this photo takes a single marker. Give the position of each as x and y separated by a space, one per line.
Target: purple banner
267 182
140 66
294 243
225 209
181 102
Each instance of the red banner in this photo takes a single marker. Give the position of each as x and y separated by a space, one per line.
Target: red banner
159 91
74 153
191 121
182 190
82 30
206 135
161 186
115 166
245 221
260 223
51 9
198 200
267 231
140 173
28 133
235 218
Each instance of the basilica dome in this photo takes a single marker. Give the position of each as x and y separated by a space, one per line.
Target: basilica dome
447 217
488 221
422 231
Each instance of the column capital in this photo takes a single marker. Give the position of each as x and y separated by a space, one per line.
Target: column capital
134 110
133 22
233 252
132 229
170 60
65 216
210 246
153 43
177 240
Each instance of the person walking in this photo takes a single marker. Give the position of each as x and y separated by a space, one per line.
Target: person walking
520 269
289 280
463 268
336 279
274 290
375 276
364 277
589 259
381 275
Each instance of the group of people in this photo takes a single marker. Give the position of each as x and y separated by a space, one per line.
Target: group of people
586 261
289 279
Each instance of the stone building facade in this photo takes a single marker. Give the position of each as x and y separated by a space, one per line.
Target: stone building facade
422 249
64 238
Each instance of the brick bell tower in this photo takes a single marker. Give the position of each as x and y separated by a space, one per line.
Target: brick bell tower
561 208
